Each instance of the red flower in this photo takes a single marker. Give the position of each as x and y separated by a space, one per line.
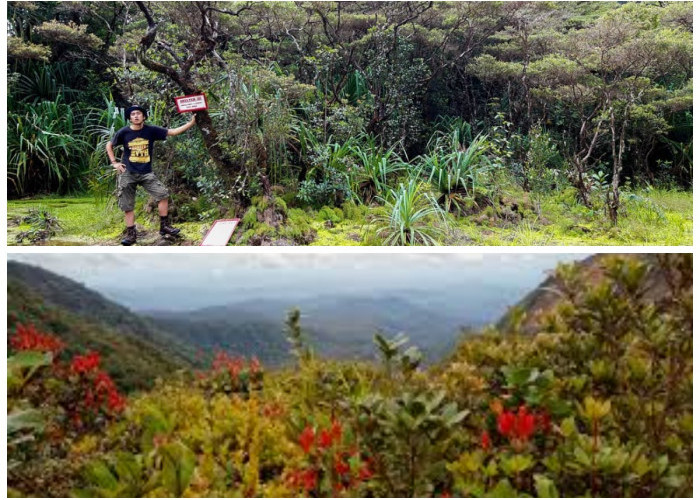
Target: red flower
309 479
103 383
306 439
89 400
365 472
506 422
325 439
520 426
525 424
341 467
234 368
336 431
222 361
85 364
27 338
485 440
116 401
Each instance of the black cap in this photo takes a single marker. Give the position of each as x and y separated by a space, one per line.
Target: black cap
127 111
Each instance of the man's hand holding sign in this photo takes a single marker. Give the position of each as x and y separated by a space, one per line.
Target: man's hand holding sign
188 103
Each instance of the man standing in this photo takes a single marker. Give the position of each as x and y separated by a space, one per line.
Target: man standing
134 169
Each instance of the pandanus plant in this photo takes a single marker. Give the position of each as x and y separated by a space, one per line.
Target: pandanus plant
410 217
43 144
454 172
375 170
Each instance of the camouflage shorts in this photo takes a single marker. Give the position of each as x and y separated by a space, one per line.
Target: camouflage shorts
126 188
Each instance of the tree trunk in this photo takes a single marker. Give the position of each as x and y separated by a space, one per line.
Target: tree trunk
579 181
617 150
184 80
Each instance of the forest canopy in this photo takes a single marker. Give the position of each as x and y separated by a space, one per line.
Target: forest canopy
333 101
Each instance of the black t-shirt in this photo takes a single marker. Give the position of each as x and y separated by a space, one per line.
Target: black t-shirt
138 146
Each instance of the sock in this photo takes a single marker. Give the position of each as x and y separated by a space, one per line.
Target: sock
163 219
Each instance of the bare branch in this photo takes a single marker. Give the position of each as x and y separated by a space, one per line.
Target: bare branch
147 40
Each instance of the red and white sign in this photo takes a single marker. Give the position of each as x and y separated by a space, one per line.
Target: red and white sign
220 233
188 103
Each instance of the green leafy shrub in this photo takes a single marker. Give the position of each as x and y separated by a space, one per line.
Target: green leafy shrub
544 167
330 191
590 375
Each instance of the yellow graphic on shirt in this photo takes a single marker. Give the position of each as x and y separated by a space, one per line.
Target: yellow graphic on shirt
139 151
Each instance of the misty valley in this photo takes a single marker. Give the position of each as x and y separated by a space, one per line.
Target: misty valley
339 325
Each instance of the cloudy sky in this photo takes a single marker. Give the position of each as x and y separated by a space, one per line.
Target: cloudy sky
197 280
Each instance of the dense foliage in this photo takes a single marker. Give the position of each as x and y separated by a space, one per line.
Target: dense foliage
320 103
597 402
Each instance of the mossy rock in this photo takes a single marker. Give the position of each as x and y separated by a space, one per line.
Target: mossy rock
354 212
258 235
516 204
298 227
291 226
250 218
334 214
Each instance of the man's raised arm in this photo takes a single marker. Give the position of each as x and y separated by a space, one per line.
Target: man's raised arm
183 128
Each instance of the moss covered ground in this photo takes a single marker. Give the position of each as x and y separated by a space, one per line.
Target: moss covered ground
650 217
86 220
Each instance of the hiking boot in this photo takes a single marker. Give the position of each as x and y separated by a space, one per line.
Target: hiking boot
166 228
130 237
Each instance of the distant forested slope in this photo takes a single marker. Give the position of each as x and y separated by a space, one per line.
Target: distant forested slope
134 350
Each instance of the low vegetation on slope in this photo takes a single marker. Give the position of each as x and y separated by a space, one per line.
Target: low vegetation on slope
132 359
